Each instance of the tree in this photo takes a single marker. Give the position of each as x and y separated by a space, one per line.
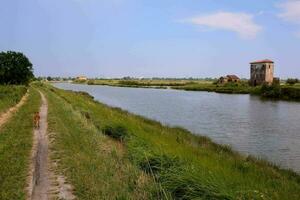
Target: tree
49 78
15 68
292 81
272 91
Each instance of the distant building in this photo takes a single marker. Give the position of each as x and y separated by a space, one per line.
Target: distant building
82 78
262 71
228 78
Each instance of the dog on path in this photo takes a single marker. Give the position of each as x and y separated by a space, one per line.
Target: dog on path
36 120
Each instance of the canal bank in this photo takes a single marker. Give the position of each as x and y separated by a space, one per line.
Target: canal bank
181 164
265 129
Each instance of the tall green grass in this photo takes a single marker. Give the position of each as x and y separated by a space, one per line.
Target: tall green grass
15 147
10 95
96 165
183 165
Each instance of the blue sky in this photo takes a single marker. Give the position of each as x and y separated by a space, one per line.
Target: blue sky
143 38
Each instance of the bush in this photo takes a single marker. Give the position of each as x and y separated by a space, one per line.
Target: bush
117 132
292 81
290 93
91 82
272 91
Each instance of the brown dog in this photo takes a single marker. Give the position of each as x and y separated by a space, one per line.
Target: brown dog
36 120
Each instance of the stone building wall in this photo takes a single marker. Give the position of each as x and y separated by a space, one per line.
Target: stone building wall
262 73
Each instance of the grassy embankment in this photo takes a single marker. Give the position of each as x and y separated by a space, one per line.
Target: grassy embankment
143 83
141 157
15 147
290 92
190 85
96 165
10 95
285 91
231 88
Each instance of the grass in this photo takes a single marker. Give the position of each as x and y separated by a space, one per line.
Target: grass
182 165
144 83
10 95
190 85
231 88
290 92
287 92
96 165
15 148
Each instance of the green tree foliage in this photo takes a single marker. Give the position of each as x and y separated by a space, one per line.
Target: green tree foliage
49 78
292 81
271 91
15 68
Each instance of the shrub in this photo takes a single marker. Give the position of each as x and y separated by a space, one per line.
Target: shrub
292 81
117 132
272 91
290 93
91 82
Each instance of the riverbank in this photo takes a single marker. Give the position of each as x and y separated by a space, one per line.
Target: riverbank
171 162
280 92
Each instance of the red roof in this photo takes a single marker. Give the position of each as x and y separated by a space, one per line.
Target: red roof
262 61
233 77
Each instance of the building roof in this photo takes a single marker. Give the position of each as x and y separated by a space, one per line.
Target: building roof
233 77
224 77
262 61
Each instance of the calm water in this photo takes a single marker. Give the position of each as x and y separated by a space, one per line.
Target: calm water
267 129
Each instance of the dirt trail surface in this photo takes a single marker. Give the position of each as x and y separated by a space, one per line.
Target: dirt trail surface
43 183
4 117
40 177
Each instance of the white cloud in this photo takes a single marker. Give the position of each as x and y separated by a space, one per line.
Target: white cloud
241 23
290 11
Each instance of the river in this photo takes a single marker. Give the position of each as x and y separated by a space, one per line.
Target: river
263 128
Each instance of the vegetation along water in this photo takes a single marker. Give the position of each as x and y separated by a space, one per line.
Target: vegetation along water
289 90
135 154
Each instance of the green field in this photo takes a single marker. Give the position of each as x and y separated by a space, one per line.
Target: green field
10 95
106 152
15 147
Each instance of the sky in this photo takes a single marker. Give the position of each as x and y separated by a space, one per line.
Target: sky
152 38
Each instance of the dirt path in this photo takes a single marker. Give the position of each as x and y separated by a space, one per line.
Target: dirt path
43 183
40 184
4 117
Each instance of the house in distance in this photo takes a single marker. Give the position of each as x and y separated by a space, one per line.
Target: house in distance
228 78
81 78
262 72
